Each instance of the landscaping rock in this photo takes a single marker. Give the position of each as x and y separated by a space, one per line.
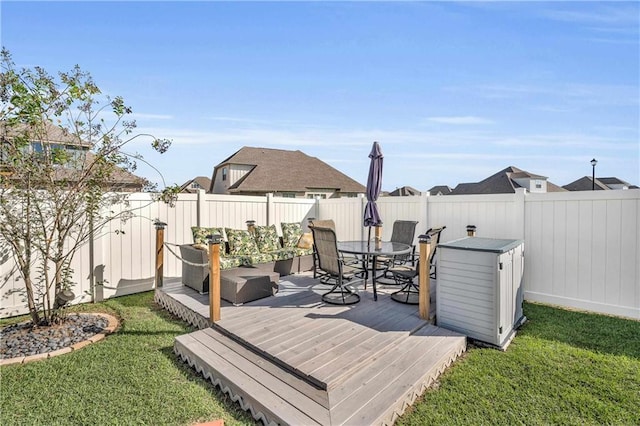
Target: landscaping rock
21 340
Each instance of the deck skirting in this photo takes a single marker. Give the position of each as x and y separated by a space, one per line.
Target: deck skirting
173 306
220 384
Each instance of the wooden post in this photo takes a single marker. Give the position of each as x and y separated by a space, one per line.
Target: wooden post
424 297
214 277
378 237
471 230
251 226
159 252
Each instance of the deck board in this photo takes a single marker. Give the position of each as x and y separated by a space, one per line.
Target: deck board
293 359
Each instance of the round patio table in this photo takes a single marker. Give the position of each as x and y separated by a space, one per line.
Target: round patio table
371 250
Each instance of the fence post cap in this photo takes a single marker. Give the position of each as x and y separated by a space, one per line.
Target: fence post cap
214 239
159 224
424 238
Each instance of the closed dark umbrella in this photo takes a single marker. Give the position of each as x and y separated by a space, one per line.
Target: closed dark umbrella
374 185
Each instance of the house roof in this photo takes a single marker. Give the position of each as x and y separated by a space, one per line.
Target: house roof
278 170
52 134
586 184
203 181
501 183
404 191
440 189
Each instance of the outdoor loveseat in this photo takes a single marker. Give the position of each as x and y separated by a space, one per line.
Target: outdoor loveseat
251 261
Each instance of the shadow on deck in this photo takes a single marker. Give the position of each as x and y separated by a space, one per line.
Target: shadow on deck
292 359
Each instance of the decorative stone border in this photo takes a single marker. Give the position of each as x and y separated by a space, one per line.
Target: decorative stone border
111 327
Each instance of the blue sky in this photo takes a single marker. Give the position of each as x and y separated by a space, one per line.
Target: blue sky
453 91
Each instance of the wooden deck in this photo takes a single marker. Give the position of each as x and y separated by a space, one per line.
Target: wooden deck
292 359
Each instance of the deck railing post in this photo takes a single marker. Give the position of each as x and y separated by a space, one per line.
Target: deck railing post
471 230
214 277
159 252
378 236
424 298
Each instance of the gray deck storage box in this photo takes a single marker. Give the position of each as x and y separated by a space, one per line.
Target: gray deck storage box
479 291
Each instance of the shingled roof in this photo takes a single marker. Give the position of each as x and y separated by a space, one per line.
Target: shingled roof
501 183
202 181
49 134
605 183
440 190
404 191
278 170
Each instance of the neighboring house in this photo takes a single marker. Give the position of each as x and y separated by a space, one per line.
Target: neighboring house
293 174
57 138
404 191
193 185
607 183
506 181
440 190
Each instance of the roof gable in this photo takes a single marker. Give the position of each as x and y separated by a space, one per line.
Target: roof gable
501 182
281 170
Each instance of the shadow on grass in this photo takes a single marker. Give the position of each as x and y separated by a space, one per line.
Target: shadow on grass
190 375
599 333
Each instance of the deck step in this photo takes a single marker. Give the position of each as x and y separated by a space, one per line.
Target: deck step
269 392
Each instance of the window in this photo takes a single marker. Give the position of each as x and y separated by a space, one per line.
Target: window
37 147
194 185
321 196
538 184
224 173
289 195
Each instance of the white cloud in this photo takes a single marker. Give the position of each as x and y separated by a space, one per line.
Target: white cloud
460 120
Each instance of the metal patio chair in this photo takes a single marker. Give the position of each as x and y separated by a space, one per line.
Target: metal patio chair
406 274
333 266
349 260
403 232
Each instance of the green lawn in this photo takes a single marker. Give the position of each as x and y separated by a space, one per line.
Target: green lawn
563 367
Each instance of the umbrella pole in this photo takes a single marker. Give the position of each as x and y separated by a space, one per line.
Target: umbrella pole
365 260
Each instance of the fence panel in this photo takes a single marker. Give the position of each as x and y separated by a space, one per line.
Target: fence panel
347 213
583 250
290 210
233 211
402 208
495 215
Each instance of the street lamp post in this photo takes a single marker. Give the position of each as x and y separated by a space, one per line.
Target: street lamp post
593 176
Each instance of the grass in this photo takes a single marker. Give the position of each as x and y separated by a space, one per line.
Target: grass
564 367
131 377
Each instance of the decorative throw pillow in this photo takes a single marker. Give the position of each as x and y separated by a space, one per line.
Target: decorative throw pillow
241 242
267 238
305 241
291 233
200 234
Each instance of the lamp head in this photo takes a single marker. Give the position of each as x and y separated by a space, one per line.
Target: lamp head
594 162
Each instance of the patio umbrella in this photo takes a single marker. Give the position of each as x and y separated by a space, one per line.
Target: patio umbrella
374 184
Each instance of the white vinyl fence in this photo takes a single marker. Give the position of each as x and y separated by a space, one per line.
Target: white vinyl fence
582 249
123 260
